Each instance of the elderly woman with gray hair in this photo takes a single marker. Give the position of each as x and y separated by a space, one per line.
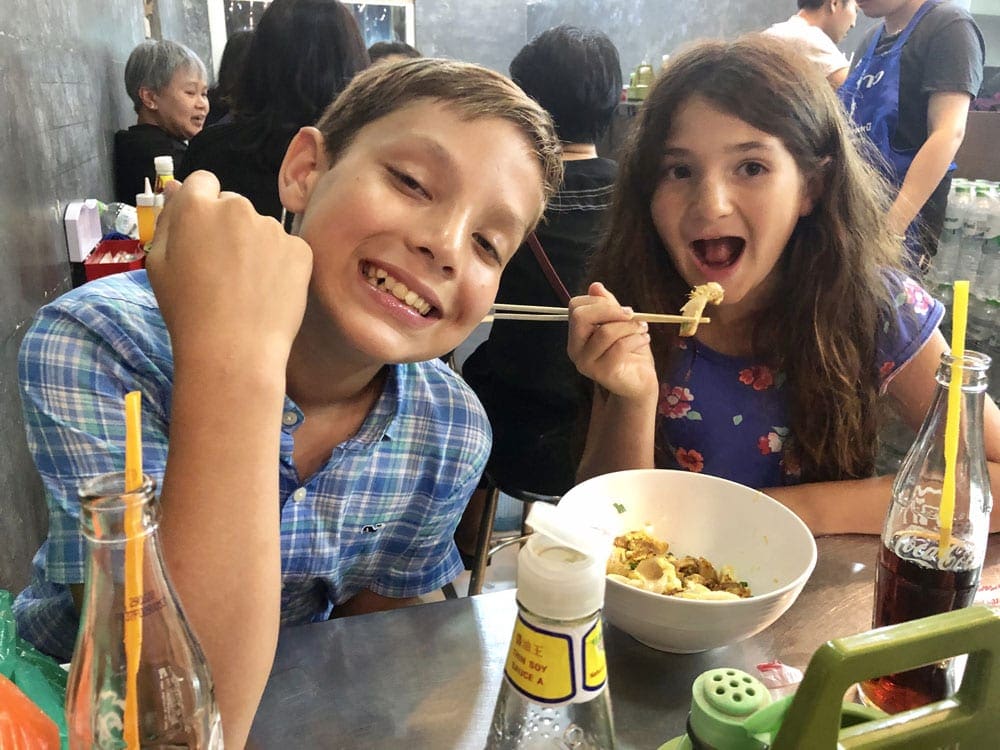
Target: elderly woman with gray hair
167 84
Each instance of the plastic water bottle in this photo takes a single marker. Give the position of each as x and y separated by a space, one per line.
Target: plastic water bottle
984 304
973 235
988 273
120 218
946 260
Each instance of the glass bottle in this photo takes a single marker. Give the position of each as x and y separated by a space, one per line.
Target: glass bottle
554 692
912 579
174 704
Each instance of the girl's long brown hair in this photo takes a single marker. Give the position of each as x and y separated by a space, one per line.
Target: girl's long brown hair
821 325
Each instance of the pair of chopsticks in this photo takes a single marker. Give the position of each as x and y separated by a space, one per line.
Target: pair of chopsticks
555 314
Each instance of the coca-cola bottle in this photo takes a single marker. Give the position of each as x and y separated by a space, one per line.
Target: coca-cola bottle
160 696
914 578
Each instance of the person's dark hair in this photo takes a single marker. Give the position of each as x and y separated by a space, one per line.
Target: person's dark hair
152 65
811 4
384 49
230 67
303 53
576 76
821 324
473 91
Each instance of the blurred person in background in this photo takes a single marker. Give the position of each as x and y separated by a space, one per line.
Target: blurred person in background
909 90
816 30
167 84
220 96
302 55
392 52
522 374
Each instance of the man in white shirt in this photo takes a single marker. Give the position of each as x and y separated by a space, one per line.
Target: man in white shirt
817 29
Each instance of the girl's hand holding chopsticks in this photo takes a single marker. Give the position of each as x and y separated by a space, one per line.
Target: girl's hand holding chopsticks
611 347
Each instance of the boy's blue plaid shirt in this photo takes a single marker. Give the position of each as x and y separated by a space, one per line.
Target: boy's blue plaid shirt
379 515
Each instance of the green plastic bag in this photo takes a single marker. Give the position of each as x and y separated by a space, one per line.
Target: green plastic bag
38 676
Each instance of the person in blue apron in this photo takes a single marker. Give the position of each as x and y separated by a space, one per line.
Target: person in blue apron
909 92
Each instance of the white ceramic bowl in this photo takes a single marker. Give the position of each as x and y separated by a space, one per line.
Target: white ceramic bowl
729 524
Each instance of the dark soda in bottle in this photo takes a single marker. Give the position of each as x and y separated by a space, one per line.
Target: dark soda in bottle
910 582
915 577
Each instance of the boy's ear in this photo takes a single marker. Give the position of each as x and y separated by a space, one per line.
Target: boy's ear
304 163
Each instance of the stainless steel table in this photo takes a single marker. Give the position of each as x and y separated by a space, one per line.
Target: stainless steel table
426 677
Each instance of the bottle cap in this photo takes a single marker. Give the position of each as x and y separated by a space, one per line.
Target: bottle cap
561 568
163 164
721 701
146 197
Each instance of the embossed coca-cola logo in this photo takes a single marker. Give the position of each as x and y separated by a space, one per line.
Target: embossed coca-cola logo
923 550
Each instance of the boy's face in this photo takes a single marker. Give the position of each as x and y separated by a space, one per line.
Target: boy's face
411 227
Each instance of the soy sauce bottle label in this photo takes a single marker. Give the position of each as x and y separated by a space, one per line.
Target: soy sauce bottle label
557 665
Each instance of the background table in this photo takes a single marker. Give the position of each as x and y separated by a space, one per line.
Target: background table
426 677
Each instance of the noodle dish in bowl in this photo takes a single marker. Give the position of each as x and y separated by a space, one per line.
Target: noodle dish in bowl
699 562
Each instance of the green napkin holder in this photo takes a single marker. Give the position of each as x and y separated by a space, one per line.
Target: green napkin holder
730 710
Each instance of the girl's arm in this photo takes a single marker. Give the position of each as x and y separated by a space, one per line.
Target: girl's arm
613 351
620 435
859 506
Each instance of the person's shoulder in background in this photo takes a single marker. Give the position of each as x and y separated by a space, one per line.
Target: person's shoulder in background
226 150
134 152
812 42
951 46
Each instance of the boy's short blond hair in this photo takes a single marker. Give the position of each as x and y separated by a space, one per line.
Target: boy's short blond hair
474 91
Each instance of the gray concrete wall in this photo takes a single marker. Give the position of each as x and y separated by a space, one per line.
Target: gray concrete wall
61 67
487 32
490 32
186 21
990 26
648 29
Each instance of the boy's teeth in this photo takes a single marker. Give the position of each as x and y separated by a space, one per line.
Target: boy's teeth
380 279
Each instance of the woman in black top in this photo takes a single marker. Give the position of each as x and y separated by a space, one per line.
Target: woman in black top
166 82
303 53
522 373
234 57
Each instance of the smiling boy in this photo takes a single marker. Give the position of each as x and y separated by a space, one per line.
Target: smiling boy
319 455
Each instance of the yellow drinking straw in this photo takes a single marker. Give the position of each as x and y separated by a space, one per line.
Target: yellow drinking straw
133 564
959 313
